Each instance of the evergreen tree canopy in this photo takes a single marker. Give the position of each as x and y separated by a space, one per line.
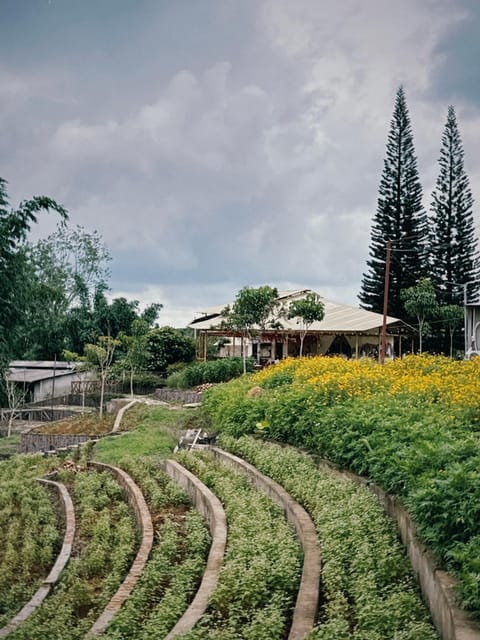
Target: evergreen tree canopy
400 217
453 245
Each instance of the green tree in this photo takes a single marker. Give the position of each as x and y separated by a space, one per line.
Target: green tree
250 313
99 358
168 346
66 272
307 310
14 226
136 345
400 217
421 303
453 243
452 316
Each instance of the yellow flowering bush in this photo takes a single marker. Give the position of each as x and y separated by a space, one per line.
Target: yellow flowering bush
411 425
428 378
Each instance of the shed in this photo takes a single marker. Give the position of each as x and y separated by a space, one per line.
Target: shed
43 379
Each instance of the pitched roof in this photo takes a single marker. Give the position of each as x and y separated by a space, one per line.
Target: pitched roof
338 318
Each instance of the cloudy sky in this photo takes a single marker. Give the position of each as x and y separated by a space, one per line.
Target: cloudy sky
221 143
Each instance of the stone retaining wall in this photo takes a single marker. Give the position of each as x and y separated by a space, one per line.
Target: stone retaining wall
437 586
306 606
210 507
62 559
41 442
176 396
144 520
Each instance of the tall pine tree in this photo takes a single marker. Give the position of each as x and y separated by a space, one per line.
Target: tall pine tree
453 244
400 217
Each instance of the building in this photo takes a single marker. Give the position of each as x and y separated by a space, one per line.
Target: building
42 380
344 330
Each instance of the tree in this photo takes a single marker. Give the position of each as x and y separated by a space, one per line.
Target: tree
67 271
452 316
99 357
119 315
14 226
307 310
136 345
420 302
399 217
453 244
250 313
15 399
80 256
168 346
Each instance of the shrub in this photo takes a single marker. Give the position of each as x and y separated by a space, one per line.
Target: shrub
220 370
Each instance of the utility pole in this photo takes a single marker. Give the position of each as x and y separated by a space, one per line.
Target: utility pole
383 343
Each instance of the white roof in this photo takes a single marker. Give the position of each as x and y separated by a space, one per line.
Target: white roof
338 318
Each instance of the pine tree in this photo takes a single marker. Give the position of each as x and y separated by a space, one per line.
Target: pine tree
453 244
400 217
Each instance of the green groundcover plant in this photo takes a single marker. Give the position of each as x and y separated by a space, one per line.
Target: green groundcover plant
422 451
368 591
260 574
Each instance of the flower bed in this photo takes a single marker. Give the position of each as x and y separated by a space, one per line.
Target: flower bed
412 426
368 591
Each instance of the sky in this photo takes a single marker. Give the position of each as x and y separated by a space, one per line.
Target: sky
217 144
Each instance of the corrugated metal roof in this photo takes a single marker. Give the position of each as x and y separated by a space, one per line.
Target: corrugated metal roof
35 375
339 318
41 364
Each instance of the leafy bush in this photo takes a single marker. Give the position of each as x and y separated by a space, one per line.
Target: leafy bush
261 570
220 370
411 426
368 591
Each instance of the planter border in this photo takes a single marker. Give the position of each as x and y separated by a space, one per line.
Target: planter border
306 606
211 508
144 520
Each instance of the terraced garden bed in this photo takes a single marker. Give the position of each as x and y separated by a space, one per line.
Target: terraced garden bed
104 545
368 590
31 532
176 563
260 576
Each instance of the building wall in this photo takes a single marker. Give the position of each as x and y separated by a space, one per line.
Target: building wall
43 389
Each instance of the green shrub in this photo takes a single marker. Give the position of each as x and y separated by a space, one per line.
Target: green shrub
422 451
220 370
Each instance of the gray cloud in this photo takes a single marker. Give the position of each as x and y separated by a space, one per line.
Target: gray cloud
220 144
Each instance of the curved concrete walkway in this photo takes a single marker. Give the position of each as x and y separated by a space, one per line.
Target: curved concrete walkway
211 508
62 559
304 615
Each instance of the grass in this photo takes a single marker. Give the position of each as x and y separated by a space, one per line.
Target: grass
9 445
156 433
